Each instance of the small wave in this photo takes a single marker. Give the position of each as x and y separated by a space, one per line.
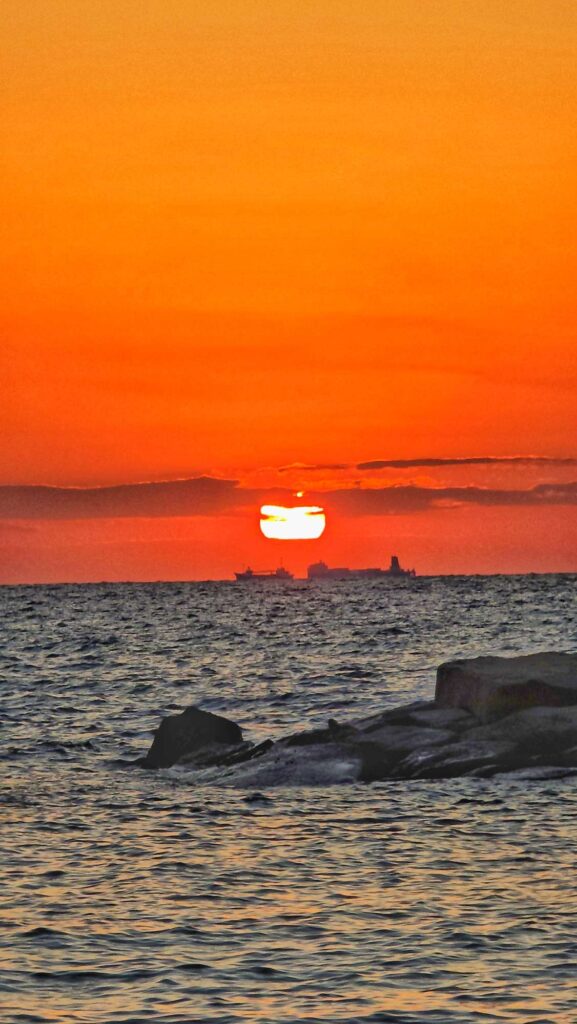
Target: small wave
41 932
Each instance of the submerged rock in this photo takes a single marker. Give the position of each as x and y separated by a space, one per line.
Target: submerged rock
492 687
184 735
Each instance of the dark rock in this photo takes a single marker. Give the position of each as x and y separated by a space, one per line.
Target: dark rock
220 755
381 750
179 735
492 687
402 739
393 716
377 762
249 754
214 754
341 731
543 732
307 739
311 737
569 757
455 719
540 736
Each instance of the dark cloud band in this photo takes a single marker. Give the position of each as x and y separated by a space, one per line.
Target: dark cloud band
398 500
209 496
199 496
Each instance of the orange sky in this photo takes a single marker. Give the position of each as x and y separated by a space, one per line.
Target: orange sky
243 235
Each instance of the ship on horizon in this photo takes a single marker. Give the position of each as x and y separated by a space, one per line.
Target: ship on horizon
266 574
321 571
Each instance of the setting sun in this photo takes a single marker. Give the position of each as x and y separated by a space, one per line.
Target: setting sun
304 522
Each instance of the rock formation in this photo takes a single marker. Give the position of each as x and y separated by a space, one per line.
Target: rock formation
184 736
493 687
489 715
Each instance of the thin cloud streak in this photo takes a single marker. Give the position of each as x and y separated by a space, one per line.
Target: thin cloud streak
302 467
484 460
432 462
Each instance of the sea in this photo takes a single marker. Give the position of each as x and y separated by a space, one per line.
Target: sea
132 896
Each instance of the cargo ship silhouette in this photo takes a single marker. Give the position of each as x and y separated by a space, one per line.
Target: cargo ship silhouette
267 574
321 571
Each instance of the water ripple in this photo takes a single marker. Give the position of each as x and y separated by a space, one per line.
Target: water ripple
130 897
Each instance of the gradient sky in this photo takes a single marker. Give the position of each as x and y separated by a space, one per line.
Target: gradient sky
244 236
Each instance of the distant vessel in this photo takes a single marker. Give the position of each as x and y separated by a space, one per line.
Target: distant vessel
321 571
268 574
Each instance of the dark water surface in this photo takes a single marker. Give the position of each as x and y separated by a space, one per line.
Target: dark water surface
133 896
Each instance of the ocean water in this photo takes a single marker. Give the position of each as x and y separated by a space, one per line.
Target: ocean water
133 896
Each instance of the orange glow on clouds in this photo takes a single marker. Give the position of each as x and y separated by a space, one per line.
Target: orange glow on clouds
304 522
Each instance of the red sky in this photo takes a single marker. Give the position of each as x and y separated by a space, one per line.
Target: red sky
245 236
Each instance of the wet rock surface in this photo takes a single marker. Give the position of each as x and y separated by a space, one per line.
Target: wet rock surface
473 727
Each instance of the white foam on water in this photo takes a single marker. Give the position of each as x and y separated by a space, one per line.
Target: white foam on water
322 765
